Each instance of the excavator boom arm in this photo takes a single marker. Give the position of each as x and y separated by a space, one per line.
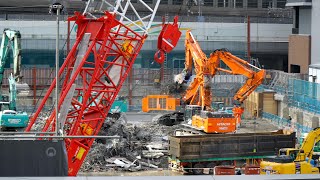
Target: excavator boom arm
239 67
11 38
199 90
307 146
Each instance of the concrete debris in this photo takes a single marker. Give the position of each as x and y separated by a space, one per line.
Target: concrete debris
148 165
140 147
123 163
154 151
39 124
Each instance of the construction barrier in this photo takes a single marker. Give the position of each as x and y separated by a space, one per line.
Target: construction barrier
304 95
286 123
300 93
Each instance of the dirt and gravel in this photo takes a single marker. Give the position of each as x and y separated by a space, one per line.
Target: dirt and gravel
256 125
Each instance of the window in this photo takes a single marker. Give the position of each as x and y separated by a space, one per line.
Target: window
164 2
294 68
134 1
239 3
266 3
281 3
208 2
177 2
178 63
252 3
222 3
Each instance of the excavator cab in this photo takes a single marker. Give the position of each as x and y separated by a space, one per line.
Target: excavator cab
289 152
190 111
285 155
216 106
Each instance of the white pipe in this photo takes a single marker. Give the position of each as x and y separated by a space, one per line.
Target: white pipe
153 14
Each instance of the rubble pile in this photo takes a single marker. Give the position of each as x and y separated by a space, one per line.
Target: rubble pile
140 146
39 124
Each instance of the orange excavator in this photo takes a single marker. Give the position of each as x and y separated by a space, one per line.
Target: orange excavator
198 96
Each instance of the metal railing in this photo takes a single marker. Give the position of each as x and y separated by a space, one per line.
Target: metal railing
300 93
286 123
304 95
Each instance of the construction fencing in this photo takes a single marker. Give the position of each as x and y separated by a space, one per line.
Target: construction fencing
299 91
304 95
283 123
141 82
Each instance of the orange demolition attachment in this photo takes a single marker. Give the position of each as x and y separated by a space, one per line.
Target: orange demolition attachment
198 95
167 40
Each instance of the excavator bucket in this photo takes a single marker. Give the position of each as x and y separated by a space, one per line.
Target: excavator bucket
167 40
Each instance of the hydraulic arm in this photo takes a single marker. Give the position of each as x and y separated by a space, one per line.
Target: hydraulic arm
9 118
239 67
10 38
294 161
199 91
306 150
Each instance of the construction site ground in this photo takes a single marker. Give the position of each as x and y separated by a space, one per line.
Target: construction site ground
142 147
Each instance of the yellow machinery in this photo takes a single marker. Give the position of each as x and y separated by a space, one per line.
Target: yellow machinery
160 103
294 161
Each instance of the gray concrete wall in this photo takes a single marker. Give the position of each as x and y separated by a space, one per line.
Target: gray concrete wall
265 38
304 21
315 35
203 31
305 118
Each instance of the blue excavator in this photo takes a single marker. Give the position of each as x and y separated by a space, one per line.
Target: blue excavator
10 118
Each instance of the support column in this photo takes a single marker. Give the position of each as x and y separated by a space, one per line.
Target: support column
245 4
248 39
259 4
215 3
34 83
130 88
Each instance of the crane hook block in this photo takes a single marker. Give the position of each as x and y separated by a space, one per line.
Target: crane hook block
168 39
159 56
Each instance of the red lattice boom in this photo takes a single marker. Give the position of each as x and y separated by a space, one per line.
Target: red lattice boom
113 48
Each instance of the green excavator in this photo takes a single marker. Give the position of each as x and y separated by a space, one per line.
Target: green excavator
10 118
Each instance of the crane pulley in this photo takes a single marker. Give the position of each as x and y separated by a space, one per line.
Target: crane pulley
167 39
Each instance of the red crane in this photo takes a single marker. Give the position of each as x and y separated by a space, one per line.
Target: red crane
94 71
